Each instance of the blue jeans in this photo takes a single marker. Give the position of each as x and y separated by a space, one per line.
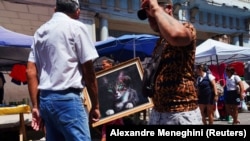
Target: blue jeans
64 116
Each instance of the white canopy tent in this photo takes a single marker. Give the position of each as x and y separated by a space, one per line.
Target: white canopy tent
216 52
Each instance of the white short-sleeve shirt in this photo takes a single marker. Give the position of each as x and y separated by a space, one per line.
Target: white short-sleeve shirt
231 82
60 46
210 77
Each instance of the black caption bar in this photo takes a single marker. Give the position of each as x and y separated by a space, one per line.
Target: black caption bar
179 132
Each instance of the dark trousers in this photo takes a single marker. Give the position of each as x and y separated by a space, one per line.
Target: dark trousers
1 95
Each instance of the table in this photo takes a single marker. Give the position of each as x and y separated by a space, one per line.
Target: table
20 109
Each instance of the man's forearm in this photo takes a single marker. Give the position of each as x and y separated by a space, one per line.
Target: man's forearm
91 83
32 83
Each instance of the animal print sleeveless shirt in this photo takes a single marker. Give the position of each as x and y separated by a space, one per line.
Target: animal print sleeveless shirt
174 85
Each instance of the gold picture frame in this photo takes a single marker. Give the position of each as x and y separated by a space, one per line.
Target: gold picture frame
108 85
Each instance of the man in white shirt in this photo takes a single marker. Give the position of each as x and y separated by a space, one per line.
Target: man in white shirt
59 67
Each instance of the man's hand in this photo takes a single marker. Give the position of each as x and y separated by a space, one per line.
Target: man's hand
94 115
37 122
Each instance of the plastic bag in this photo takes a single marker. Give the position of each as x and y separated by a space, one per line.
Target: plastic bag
220 89
244 107
216 112
220 84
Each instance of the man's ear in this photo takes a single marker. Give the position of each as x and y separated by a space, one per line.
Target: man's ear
76 15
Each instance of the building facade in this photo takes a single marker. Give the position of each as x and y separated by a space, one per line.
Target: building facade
104 18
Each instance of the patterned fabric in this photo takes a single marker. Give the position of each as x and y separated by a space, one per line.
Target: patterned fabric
176 118
174 86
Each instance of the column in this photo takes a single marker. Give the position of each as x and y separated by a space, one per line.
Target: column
103 28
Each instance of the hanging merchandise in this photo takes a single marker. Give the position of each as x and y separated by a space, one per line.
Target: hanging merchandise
239 68
18 74
218 72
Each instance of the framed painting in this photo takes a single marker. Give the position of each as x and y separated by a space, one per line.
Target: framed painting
120 91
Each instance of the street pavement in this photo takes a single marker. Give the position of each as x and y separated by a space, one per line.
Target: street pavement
244 118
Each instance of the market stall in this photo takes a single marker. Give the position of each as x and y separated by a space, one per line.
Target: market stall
16 116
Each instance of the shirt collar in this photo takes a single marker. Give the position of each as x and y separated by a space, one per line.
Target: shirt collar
60 15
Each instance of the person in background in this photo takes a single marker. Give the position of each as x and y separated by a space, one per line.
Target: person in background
233 97
59 67
175 98
107 64
2 82
207 93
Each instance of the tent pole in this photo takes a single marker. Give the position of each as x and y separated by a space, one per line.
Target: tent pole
218 67
134 46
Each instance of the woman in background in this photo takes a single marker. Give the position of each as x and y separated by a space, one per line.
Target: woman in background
233 95
207 93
